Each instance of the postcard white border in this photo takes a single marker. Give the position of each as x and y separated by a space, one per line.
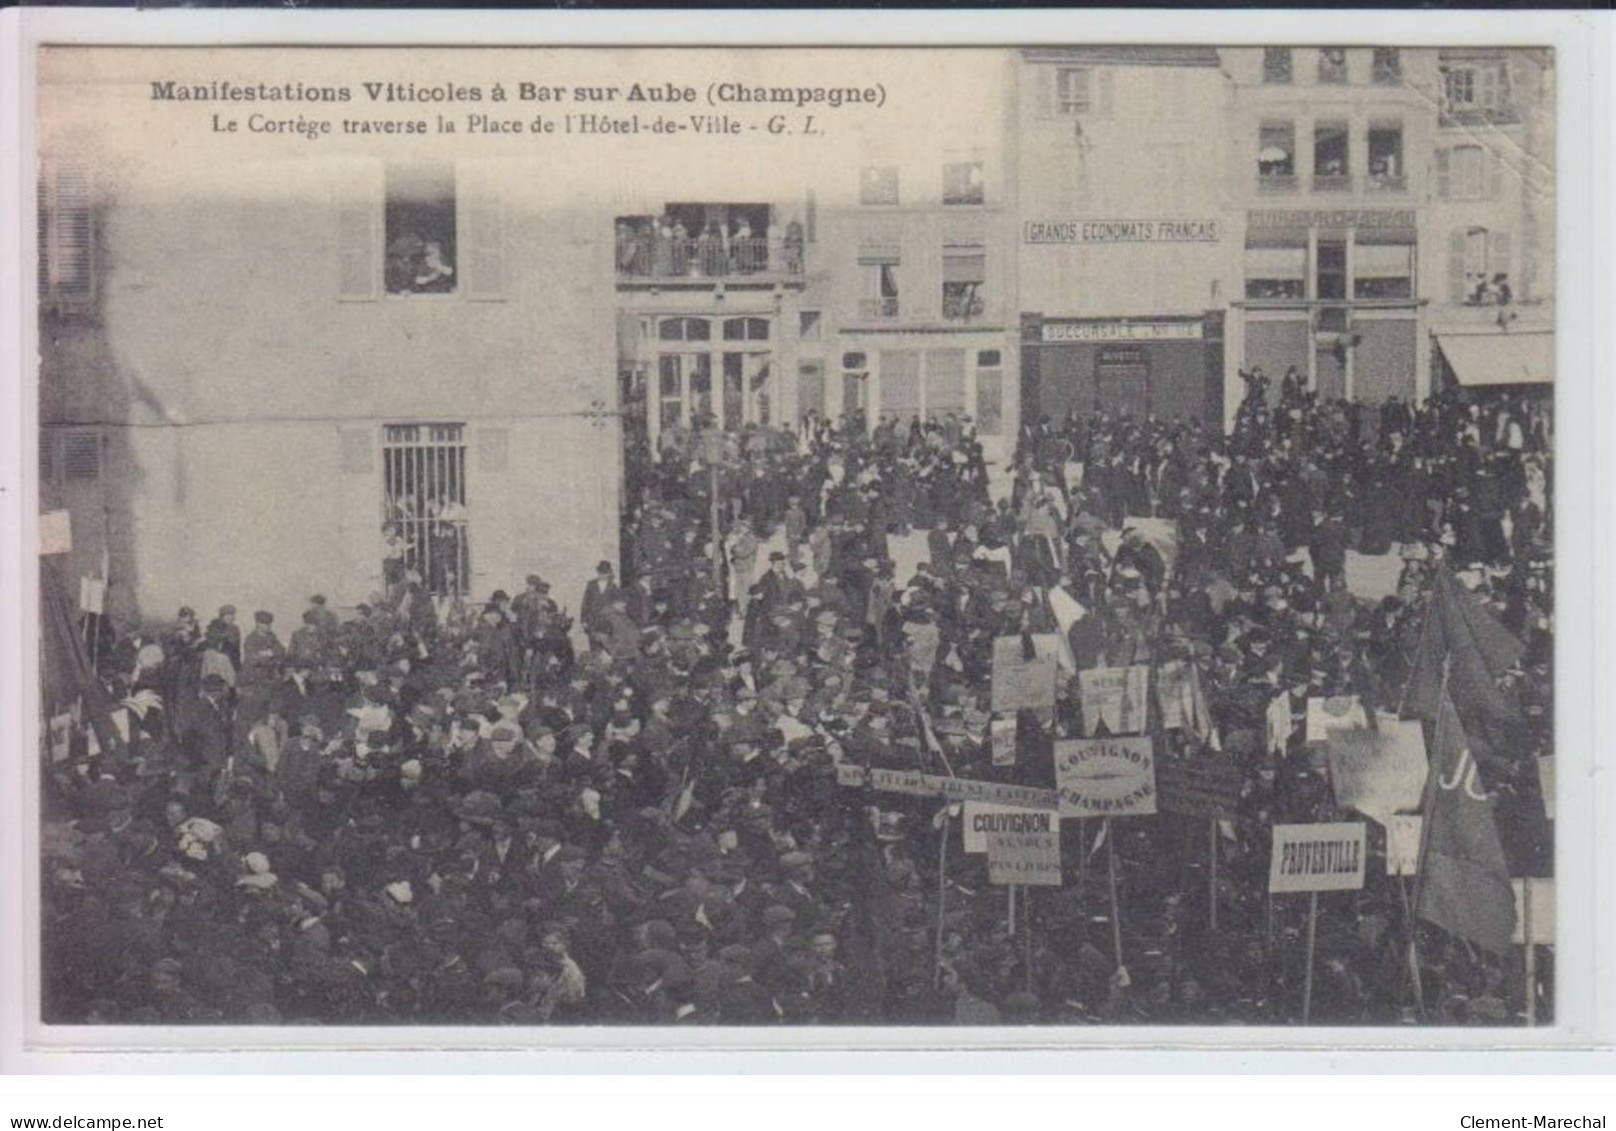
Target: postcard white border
1586 1032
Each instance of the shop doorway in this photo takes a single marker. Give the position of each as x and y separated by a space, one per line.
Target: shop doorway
1122 383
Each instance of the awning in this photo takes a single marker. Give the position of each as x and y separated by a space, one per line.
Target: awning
1480 360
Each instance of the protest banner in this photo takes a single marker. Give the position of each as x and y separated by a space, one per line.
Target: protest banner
1378 772
1004 741
1116 697
1321 857
1545 783
916 784
1402 844
1021 683
1024 848
1315 858
1534 927
983 817
1336 712
1105 777
1065 608
61 737
1180 699
55 533
92 595
1373 577
1535 915
1199 787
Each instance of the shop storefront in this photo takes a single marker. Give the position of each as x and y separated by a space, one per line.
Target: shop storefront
1330 295
1169 367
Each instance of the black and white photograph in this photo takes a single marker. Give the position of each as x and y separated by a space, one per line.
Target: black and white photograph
787 538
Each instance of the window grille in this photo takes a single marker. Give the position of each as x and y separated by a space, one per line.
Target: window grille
425 519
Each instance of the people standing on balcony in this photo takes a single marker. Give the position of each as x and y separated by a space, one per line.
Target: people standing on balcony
710 256
743 257
793 245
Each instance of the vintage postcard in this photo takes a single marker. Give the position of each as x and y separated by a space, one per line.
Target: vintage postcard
1055 538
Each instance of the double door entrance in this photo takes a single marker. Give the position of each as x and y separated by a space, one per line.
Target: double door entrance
1122 382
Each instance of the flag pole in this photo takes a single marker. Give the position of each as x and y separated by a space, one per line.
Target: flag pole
1212 882
942 896
1111 870
1010 908
1426 825
1312 933
1531 952
1026 915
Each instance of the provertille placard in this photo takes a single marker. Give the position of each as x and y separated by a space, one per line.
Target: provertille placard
1323 857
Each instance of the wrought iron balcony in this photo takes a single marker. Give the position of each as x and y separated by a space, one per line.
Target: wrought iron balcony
646 255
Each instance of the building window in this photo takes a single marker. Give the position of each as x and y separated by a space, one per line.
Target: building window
963 183
855 384
426 523
420 228
1466 173
1475 88
746 329
1074 91
1479 267
1276 65
989 393
964 274
1276 272
685 330
878 184
880 301
1386 157
1333 65
1276 157
1331 156
65 233
1330 274
809 325
1387 68
1383 271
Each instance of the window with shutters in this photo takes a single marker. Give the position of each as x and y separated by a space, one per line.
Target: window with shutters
964 276
426 524
66 234
1276 65
1475 90
1479 267
419 229
1382 271
878 263
1277 272
1465 174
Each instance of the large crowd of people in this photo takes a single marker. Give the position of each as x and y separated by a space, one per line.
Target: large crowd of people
492 812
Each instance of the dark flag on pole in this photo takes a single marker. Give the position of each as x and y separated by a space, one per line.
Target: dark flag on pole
1464 885
1479 649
